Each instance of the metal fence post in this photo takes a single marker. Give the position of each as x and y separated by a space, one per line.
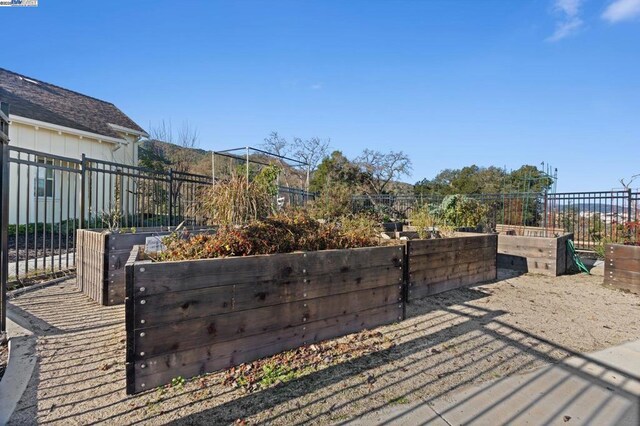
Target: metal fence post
4 217
170 197
629 201
82 195
544 217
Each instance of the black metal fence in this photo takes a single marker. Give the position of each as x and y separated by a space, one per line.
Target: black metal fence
4 215
511 209
51 196
593 217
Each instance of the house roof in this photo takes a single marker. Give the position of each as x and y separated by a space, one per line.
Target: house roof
37 100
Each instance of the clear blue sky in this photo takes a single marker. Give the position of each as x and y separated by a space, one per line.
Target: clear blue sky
451 82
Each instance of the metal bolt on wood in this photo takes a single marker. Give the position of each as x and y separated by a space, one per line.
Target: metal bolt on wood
142 302
142 269
142 289
142 334
142 321
143 365
141 353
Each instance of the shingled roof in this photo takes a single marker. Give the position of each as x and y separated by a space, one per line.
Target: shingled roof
37 100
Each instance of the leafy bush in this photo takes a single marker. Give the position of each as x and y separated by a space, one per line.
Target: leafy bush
282 233
460 211
334 201
423 220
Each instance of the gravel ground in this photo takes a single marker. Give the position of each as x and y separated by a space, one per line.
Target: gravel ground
448 342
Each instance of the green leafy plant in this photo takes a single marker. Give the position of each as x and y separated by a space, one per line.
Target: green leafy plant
460 211
423 220
272 374
178 382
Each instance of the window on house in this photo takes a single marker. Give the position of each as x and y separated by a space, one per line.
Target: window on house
44 180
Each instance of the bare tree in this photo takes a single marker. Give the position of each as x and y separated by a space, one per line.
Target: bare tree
380 169
276 144
626 186
311 151
185 138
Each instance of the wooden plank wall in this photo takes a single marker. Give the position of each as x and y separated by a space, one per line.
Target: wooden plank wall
439 265
102 256
90 264
188 318
622 267
546 256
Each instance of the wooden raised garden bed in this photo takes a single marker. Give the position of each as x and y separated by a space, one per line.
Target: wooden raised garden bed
439 265
529 231
540 255
187 318
101 257
622 267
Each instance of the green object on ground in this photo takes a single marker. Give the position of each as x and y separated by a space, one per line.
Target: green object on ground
576 259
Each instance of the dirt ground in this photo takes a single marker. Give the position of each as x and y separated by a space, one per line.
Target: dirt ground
448 342
39 245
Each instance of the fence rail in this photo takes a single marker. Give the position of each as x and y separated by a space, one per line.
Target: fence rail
51 196
593 217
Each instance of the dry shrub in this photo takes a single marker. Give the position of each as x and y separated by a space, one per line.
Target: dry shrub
282 233
237 201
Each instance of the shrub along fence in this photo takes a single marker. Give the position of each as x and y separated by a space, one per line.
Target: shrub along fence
622 267
192 317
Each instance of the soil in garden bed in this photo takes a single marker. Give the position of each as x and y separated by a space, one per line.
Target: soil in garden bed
39 246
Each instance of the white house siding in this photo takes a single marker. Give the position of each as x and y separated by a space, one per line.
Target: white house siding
65 144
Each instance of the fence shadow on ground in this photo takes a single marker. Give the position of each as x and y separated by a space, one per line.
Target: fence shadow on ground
77 381
76 342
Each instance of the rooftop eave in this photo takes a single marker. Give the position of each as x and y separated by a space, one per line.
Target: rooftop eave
67 130
128 131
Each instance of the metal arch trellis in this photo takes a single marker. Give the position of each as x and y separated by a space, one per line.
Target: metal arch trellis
246 156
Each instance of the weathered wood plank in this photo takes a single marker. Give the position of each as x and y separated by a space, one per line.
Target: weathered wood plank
177 306
428 276
194 274
620 251
620 275
420 291
472 241
167 337
436 260
161 369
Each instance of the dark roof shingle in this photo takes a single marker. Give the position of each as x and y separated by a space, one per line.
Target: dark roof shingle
31 98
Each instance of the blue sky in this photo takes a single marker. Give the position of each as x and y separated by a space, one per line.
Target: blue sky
450 82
